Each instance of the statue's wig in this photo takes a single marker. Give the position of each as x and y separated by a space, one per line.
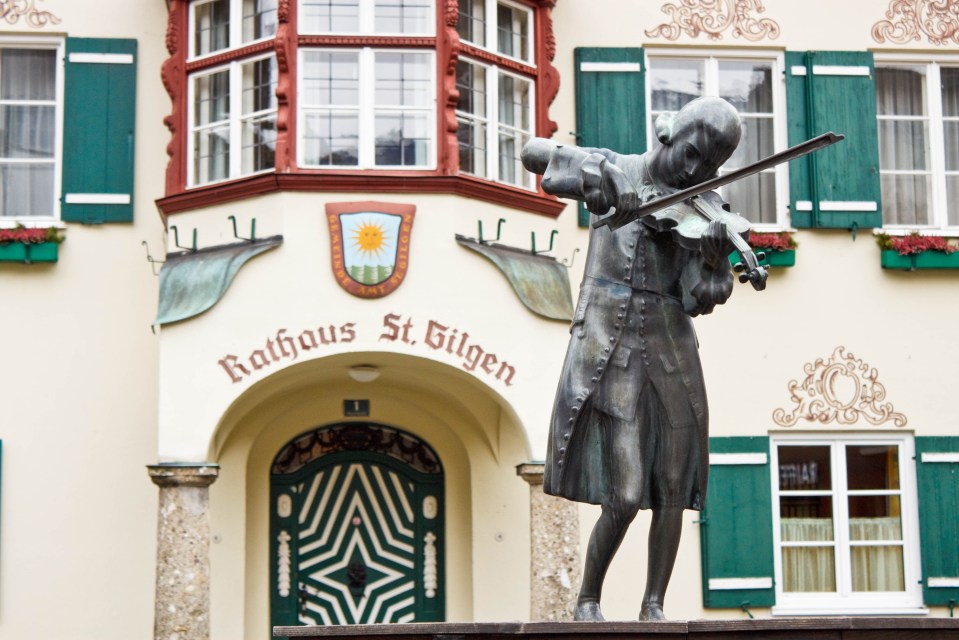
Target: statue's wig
715 118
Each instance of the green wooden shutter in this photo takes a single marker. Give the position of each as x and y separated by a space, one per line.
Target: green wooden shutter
99 112
736 533
838 187
610 102
937 468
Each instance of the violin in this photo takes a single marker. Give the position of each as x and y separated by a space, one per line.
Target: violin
572 172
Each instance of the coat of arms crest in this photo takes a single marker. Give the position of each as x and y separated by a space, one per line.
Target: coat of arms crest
370 245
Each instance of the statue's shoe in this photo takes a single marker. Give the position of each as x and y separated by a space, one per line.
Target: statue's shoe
652 611
588 611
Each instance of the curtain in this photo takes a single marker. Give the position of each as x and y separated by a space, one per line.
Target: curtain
812 569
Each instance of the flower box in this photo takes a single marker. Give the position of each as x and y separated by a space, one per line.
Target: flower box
773 258
28 253
890 259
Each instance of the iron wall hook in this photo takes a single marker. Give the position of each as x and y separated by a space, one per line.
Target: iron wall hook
552 238
499 230
153 261
236 235
176 239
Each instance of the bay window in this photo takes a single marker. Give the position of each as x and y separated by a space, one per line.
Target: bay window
504 28
752 86
844 524
917 106
367 108
233 120
218 25
29 131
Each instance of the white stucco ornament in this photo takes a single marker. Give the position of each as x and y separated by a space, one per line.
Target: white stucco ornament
842 389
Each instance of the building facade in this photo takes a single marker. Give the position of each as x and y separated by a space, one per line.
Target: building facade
305 279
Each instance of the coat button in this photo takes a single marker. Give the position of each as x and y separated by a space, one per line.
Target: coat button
595 379
606 350
562 449
612 338
566 437
559 463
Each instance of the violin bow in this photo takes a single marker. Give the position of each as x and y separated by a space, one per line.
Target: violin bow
622 218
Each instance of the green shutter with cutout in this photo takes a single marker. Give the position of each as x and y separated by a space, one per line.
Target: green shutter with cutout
736 532
99 113
937 471
837 187
610 102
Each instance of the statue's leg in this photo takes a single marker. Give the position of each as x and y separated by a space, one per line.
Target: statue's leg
664 533
621 439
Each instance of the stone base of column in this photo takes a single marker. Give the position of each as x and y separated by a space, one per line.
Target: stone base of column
554 553
183 551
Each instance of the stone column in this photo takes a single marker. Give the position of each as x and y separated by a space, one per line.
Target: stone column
183 551
554 550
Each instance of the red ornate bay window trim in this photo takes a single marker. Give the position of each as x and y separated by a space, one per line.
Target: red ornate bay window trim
446 177
410 182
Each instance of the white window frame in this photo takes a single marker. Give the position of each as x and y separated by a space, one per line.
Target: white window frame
493 124
936 134
366 151
56 44
236 120
236 31
492 25
711 59
367 23
844 601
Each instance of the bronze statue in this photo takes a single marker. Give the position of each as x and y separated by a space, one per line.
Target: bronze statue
629 429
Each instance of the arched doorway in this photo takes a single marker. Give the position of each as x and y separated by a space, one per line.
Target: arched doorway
356 528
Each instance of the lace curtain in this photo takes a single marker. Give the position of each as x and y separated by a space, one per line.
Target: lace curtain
812 569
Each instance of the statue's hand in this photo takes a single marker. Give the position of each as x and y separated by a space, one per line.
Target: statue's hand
606 186
714 245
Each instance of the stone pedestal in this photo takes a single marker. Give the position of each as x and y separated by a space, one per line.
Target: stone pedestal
183 551
554 553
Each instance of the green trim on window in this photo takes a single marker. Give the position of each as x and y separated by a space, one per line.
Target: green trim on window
773 258
938 487
610 102
99 116
890 259
736 533
833 91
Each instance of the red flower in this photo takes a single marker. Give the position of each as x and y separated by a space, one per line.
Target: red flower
777 241
915 243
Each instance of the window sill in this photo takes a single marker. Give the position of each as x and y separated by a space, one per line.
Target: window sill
840 610
29 253
353 181
890 259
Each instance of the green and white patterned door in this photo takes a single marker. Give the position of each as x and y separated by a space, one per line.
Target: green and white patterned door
356 528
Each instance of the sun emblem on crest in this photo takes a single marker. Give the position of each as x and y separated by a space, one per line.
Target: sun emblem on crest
370 238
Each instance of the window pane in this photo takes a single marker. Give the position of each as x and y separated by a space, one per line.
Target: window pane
952 198
28 74
809 569
211 154
905 199
514 107
806 519
875 518
877 569
259 19
950 91
511 169
211 97
402 139
900 91
403 79
471 84
755 144
747 85
403 16
259 144
902 145
331 78
804 468
26 190
332 138
330 16
512 31
472 146
872 466
754 198
27 132
471 23
211 27
673 83
259 85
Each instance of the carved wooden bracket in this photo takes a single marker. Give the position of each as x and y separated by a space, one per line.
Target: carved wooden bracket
840 389
713 17
910 19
